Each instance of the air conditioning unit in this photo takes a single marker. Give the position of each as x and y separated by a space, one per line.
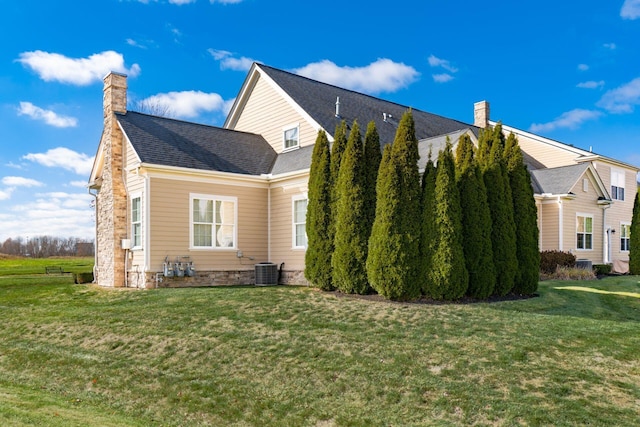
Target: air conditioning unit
584 263
266 274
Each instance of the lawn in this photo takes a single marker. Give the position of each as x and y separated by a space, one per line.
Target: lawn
273 356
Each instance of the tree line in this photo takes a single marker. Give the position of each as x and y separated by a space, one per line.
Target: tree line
47 246
375 225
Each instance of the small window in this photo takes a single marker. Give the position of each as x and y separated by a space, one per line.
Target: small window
291 137
625 234
213 222
617 184
584 232
585 185
300 222
136 222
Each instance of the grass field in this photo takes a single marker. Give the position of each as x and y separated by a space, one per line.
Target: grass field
80 355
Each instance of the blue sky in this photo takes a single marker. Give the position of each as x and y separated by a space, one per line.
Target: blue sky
568 70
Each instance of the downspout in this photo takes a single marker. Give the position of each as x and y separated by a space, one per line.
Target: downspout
146 228
560 225
269 223
606 235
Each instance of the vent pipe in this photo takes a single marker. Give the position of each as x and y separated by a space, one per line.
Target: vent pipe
338 106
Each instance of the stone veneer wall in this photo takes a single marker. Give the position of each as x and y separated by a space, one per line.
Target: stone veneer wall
208 278
111 206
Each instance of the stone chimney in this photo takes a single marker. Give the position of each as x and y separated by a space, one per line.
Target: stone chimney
111 226
481 114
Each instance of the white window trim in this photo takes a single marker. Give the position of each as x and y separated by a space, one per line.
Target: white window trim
585 215
621 172
284 131
295 199
214 198
132 197
628 237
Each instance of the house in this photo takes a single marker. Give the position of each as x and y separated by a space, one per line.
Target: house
184 204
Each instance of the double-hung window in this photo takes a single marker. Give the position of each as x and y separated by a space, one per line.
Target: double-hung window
136 222
625 235
584 232
291 136
617 184
213 221
299 232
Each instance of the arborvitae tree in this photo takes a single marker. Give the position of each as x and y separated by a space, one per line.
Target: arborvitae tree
372 157
319 217
476 222
352 231
449 277
634 238
524 209
428 234
337 149
393 263
503 228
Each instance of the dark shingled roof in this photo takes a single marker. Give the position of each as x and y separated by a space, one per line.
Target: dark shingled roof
169 142
294 160
319 101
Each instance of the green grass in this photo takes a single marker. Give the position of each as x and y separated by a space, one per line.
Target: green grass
81 355
14 266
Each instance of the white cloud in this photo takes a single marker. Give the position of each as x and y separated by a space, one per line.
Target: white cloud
65 158
47 116
570 120
591 84
6 195
610 46
443 63
384 75
225 1
583 67
181 2
78 184
630 9
229 62
188 103
18 181
621 99
76 71
51 214
228 104
442 78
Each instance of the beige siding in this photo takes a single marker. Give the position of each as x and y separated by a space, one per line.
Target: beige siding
585 203
170 224
266 113
282 249
548 223
621 211
546 154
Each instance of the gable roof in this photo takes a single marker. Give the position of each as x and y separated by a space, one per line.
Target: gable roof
561 180
169 142
318 100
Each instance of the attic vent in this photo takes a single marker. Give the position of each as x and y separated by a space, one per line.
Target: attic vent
266 274
338 106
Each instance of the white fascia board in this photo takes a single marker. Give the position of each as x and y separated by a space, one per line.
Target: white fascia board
199 175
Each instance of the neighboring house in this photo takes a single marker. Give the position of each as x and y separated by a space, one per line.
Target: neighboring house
216 201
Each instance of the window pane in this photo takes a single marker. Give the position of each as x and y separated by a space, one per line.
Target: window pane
588 224
202 235
301 235
300 211
135 209
202 210
225 212
291 137
580 241
137 240
580 224
588 241
224 236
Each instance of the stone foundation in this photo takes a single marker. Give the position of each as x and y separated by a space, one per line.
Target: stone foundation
209 278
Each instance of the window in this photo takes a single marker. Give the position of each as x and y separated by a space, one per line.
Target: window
584 227
625 234
300 221
291 137
617 184
213 221
136 222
